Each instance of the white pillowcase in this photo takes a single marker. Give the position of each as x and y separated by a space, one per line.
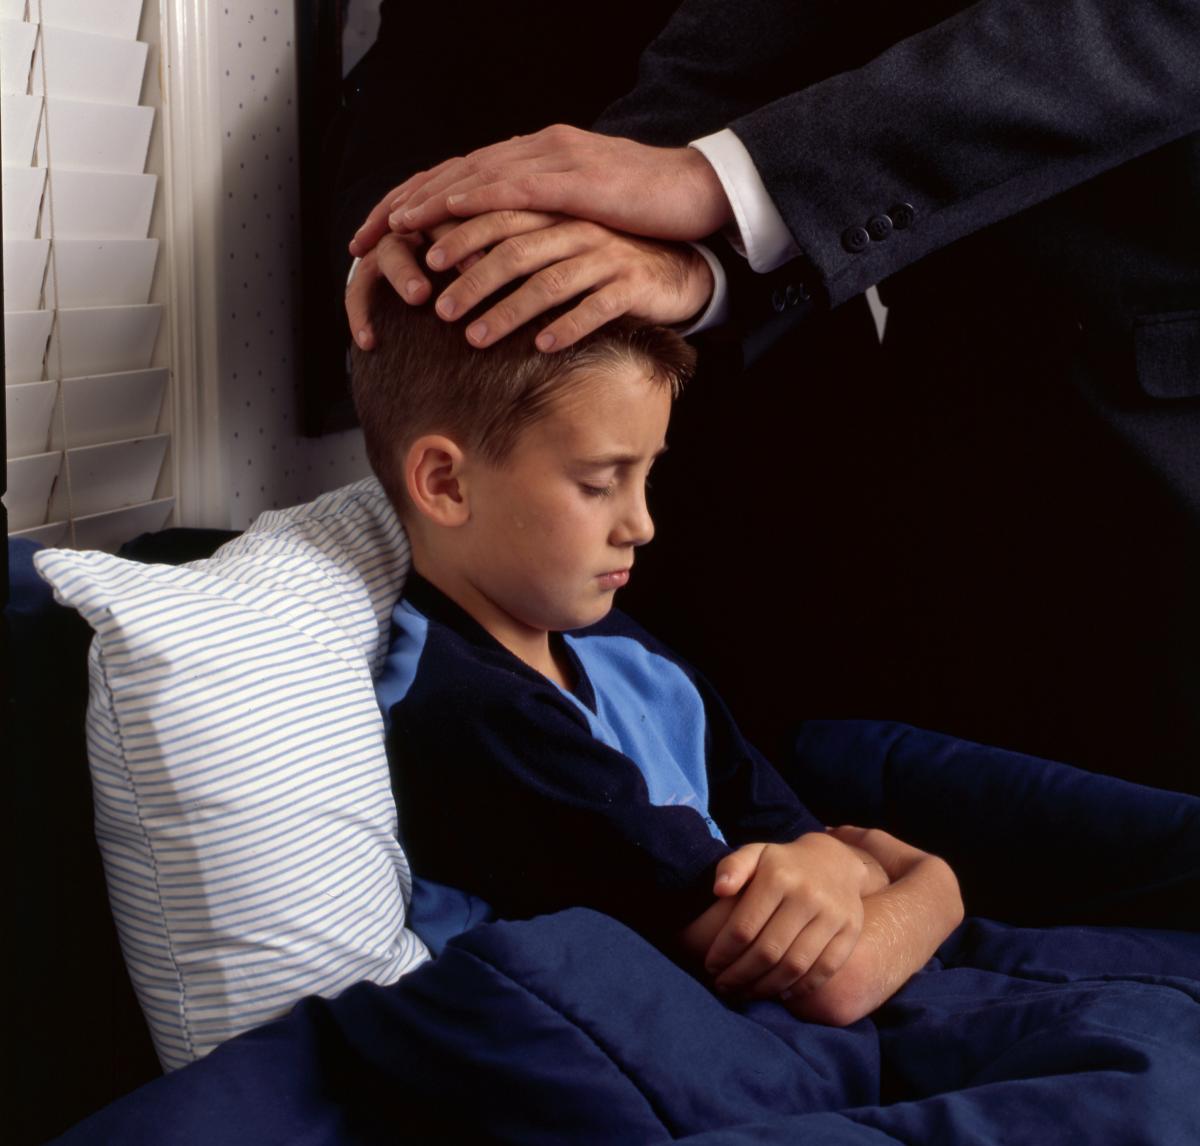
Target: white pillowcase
243 804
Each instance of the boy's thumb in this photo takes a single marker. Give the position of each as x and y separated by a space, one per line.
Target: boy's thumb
735 870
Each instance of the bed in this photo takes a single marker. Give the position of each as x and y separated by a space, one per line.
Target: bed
243 812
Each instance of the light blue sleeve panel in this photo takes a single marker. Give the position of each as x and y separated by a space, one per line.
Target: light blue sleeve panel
648 709
410 630
436 913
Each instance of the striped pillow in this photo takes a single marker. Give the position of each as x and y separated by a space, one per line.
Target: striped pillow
243 806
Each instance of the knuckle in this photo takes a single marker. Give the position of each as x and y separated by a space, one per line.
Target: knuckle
795 965
526 184
770 953
470 284
742 933
554 282
510 219
821 971
608 304
568 329
589 232
820 899
516 252
504 316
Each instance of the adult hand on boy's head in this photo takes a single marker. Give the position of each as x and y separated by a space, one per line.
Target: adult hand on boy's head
563 259
611 275
659 192
396 258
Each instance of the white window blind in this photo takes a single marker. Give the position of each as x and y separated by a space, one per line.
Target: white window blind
86 383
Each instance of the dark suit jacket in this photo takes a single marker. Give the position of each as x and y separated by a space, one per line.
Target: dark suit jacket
1023 179
990 529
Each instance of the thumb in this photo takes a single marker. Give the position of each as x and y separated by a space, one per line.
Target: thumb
736 869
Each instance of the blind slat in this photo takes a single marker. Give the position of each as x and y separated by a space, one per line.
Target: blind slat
82 397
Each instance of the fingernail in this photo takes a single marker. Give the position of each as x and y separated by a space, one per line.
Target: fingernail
395 219
454 200
409 215
363 339
545 341
413 287
398 200
354 246
446 307
436 258
477 331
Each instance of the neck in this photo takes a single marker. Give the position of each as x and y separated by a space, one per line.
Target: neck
532 646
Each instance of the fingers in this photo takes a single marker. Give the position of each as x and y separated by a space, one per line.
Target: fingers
519 188
741 930
736 869
562 261
548 149
416 182
594 311
457 241
609 274
374 227
358 300
394 257
784 960
399 263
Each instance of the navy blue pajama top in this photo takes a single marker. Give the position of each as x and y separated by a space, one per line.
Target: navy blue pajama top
621 796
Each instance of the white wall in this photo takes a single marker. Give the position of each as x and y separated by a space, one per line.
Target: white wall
269 463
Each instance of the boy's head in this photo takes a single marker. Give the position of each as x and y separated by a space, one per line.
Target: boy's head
425 377
519 474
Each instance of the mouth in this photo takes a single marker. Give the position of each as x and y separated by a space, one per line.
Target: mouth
614 580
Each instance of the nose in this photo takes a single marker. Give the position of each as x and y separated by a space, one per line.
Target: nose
635 526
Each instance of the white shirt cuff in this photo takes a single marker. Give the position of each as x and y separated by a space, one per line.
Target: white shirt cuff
717 310
765 240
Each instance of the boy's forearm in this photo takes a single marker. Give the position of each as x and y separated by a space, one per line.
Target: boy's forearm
903 925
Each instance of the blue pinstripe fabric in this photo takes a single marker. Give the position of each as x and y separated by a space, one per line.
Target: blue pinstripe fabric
243 805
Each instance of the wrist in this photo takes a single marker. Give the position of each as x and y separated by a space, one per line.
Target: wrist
699 283
875 879
711 202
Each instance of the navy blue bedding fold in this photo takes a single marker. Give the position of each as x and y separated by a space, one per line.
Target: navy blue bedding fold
1032 841
571 1028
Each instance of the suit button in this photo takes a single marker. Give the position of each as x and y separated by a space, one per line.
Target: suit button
803 292
792 295
856 239
879 227
902 215
777 300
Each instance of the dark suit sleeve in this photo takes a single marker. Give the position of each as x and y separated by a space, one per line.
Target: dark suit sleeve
967 115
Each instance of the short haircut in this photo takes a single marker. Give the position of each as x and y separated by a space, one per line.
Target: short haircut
425 377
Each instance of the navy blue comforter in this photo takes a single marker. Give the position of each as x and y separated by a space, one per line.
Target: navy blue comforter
1075 1020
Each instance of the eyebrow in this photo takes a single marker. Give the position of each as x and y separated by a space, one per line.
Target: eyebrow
601 460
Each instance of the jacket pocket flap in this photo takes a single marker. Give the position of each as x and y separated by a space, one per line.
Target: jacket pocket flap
1167 349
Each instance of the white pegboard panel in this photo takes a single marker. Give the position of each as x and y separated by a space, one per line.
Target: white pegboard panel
270 463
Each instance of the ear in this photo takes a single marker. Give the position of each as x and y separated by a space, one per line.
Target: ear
434 477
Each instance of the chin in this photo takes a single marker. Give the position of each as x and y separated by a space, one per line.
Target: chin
583 619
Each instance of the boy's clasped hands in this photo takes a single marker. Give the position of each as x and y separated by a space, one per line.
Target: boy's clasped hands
805 922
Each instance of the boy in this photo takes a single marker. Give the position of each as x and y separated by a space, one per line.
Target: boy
546 751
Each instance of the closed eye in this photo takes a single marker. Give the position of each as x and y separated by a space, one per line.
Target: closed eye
598 490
